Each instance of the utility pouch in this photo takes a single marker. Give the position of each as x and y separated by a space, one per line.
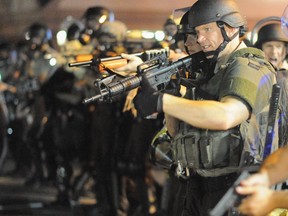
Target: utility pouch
185 149
199 149
226 149
205 151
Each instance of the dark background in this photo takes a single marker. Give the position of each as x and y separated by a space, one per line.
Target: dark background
16 15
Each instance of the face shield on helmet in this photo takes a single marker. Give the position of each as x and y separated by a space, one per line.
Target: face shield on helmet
160 151
184 32
184 27
187 33
223 12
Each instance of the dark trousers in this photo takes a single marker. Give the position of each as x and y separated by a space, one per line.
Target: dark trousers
203 193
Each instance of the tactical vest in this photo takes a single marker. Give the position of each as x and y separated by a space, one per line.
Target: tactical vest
213 152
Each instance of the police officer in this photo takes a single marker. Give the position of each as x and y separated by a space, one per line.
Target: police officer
41 65
217 131
7 67
44 59
273 42
162 141
93 18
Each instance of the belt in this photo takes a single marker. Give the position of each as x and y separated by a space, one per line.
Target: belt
214 183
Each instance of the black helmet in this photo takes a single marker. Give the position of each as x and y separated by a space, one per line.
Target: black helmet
73 32
207 11
38 33
184 27
270 32
101 14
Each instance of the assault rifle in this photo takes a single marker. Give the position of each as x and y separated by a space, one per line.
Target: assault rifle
115 61
158 71
230 199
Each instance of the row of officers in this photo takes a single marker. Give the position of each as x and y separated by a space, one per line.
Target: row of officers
47 129
55 139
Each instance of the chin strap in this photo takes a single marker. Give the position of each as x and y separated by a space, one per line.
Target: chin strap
215 53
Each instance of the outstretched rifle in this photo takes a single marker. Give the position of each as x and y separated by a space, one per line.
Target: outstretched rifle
116 61
158 71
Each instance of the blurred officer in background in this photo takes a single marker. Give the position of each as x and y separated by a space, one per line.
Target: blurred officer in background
112 37
272 40
170 30
44 59
7 67
92 19
42 63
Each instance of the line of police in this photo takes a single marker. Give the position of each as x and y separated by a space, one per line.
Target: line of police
49 128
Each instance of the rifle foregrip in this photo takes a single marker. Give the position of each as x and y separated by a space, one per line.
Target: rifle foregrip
124 85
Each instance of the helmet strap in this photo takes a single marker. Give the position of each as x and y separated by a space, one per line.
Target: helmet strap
222 46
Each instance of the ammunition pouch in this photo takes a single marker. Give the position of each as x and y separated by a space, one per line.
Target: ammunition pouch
205 150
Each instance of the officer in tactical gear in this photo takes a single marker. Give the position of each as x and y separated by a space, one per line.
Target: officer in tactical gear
42 63
93 18
7 67
44 59
272 40
112 36
219 130
170 30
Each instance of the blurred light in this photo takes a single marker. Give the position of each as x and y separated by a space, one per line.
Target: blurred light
284 21
159 35
52 62
249 35
134 34
61 37
9 131
147 34
102 19
27 36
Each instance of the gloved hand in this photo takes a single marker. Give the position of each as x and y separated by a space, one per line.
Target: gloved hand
173 87
148 101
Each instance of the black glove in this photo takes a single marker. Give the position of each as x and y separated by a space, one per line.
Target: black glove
173 87
148 101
